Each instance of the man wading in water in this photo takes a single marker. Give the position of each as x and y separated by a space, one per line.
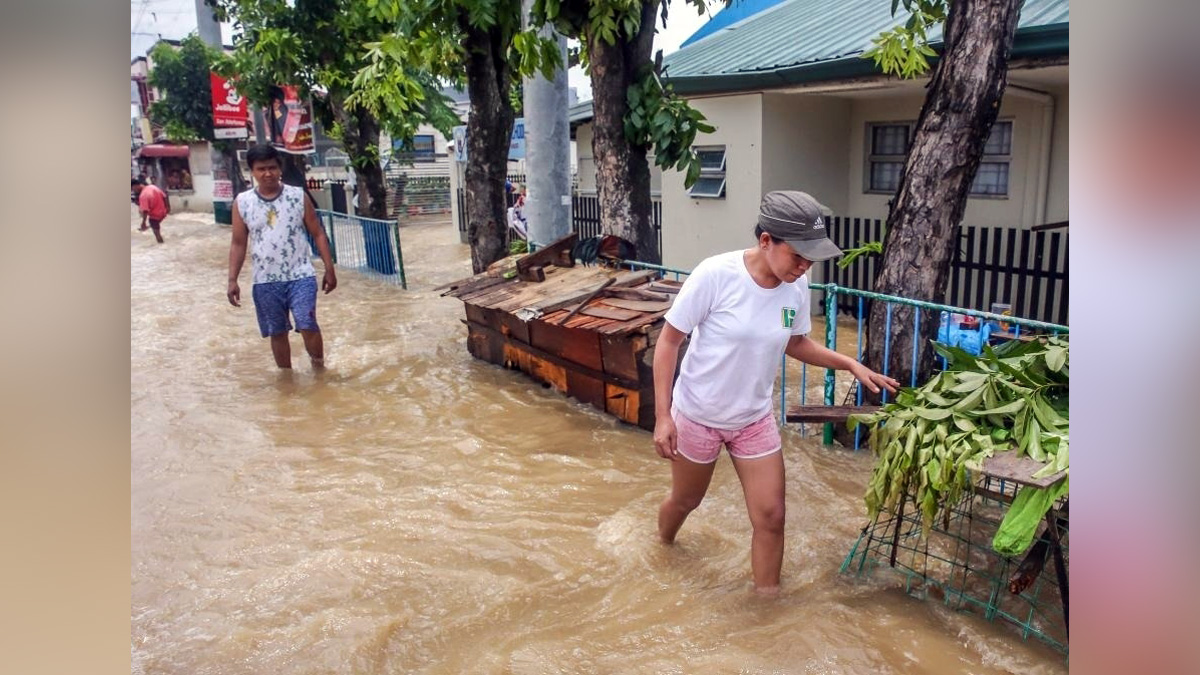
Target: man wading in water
744 310
275 217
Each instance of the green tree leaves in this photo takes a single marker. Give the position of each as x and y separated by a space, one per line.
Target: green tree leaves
656 118
182 75
661 120
904 50
930 439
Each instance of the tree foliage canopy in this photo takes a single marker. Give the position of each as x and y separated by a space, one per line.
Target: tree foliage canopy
182 75
657 118
321 46
427 37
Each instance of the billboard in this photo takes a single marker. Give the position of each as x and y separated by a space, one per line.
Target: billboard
422 148
290 121
516 144
229 108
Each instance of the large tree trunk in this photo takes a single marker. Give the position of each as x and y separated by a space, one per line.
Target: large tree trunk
622 172
489 128
960 107
360 140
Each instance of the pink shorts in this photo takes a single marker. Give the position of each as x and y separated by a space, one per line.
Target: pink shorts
702 444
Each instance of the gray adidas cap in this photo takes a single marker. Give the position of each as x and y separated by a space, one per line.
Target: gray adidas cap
798 219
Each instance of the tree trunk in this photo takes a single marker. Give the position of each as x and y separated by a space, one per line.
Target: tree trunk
922 228
360 140
489 128
293 172
622 171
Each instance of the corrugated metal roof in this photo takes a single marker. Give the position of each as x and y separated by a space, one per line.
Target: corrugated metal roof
801 32
734 12
580 112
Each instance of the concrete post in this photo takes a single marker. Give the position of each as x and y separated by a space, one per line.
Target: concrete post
224 182
547 148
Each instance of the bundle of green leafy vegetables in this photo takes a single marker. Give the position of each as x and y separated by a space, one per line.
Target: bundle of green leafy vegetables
930 439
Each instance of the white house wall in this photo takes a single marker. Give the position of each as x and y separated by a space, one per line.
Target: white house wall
694 229
1019 208
585 164
1060 193
808 148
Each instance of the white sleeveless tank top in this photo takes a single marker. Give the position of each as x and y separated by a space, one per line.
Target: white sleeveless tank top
279 248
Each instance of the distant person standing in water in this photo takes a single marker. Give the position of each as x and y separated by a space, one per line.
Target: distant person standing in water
152 202
275 217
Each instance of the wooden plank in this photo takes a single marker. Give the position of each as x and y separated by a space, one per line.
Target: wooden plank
646 408
553 358
637 305
1052 282
1008 466
576 321
665 286
515 357
482 315
482 346
636 294
557 253
619 356
553 374
628 326
560 290
513 327
622 403
623 280
584 301
492 297
1020 305
610 313
827 413
576 346
462 287
564 318
586 389
981 257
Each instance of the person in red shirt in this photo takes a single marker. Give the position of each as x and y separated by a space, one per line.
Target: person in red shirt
152 202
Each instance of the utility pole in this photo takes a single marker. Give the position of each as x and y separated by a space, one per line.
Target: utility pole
226 175
547 147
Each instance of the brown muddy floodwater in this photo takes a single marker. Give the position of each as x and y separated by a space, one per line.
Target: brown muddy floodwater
413 510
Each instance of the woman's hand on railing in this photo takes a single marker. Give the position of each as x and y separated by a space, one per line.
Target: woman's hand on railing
873 380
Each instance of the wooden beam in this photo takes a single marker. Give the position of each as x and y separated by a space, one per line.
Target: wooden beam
558 360
624 279
557 253
827 413
636 294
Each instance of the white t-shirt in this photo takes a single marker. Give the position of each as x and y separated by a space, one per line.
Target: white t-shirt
739 332
279 248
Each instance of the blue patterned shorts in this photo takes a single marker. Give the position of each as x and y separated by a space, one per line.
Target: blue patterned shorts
273 301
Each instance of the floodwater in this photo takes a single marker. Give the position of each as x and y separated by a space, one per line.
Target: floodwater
412 510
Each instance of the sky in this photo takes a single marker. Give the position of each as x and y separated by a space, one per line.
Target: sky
174 19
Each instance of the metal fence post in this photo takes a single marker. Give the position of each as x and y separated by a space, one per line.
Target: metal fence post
831 292
332 237
400 256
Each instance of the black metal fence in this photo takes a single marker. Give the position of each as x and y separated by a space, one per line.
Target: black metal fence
1023 268
585 214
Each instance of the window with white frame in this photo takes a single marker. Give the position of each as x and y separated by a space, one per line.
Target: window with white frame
711 184
888 145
